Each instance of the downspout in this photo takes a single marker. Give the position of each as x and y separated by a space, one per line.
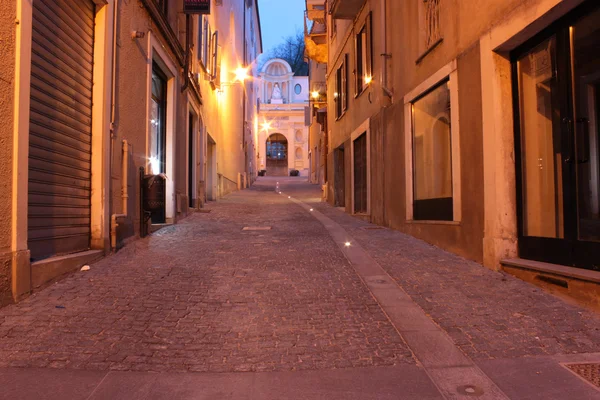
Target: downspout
244 64
124 196
388 92
125 159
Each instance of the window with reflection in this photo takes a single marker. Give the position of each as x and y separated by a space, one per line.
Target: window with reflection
432 155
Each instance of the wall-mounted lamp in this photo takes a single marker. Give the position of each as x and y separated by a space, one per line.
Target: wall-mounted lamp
368 79
138 35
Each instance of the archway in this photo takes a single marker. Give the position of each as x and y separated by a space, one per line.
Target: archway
277 155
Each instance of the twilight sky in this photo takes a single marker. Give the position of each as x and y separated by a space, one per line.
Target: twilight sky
280 19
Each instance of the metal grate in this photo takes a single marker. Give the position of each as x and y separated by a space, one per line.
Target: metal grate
589 372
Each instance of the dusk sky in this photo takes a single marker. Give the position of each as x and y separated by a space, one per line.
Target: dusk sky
280 19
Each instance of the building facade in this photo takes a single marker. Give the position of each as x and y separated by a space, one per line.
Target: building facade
101 98
283 137
315 33
478 137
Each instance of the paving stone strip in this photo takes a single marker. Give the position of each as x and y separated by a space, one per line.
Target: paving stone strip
455 375
489 315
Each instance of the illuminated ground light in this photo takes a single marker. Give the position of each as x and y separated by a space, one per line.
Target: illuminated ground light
311 209
347 244
289 197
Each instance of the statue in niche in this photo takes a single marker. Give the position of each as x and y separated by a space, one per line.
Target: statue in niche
276 93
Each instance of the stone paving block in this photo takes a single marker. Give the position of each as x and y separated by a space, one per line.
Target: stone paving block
198 296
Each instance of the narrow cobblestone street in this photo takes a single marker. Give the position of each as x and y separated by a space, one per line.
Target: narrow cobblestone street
208 296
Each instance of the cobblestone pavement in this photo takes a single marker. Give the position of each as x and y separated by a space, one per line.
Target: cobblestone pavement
204 295
488 314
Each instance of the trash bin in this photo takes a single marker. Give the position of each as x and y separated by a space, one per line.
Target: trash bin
154 194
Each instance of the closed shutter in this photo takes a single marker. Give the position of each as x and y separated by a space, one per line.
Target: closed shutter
60 127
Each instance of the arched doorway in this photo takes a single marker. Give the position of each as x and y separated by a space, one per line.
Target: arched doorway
277 155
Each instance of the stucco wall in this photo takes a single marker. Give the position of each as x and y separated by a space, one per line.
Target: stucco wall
461 34
7 75
131 112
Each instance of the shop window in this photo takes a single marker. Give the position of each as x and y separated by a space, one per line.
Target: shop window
432 155
364 58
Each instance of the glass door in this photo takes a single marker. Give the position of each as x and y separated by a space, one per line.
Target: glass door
556 88
585 66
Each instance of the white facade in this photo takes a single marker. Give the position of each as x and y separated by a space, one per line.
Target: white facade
283 98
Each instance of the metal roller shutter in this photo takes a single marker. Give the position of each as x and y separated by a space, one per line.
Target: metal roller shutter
60 127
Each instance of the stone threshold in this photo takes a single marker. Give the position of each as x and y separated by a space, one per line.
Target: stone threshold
572 284
157 227
554 269
44 271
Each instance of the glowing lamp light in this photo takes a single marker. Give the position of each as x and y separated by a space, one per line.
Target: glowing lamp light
368 80
155 165
311 209
336 95
266 126
289 197
241 74
347 244
315 95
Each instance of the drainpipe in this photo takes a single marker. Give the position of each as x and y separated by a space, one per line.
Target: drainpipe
124 197
388 92
113 95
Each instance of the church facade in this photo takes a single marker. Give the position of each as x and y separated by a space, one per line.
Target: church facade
283 134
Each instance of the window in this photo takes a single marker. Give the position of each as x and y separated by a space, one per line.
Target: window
163 6
341 88
158 121
364 58
298 89
432 155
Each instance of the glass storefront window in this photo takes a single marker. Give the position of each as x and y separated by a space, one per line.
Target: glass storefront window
432 155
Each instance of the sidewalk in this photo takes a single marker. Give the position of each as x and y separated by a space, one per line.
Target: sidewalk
227 313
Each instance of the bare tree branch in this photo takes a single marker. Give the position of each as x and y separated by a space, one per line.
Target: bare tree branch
292 51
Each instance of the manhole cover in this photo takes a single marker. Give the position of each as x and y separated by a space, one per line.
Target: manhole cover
589 372
257 228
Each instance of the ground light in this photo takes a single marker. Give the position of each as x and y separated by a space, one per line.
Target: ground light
311 209
347 244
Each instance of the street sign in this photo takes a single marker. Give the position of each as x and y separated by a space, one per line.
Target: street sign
196 6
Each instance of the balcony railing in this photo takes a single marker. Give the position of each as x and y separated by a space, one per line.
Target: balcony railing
345 9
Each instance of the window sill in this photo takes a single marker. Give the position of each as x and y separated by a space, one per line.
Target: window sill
363 90
429 222
429 50
341 116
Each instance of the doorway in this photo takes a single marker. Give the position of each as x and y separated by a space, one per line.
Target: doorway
211 169
191 169
360 174
557 122
277 155
339 177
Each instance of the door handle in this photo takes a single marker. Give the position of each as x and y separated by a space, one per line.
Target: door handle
583 143
570 149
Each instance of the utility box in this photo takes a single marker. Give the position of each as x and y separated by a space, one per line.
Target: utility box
154 194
